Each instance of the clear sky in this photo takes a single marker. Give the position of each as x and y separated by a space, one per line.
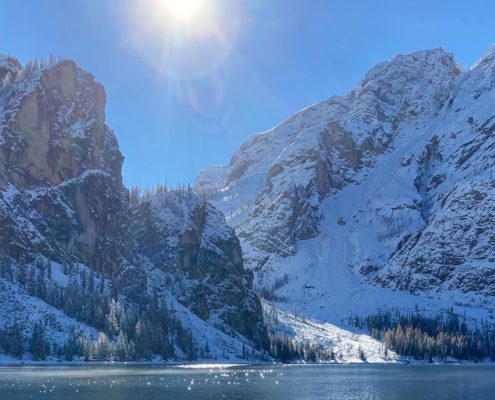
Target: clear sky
185 92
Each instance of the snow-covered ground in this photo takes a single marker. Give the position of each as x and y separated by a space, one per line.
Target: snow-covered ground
347 346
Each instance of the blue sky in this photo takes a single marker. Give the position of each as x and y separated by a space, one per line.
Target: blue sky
180 101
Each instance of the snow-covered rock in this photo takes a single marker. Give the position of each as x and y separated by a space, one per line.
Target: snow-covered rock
389 186
62 203
188 238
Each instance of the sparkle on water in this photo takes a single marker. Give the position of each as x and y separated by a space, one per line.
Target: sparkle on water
208 382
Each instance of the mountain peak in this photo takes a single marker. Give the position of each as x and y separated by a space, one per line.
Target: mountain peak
487 57
403 66
7 59
70 123
9 66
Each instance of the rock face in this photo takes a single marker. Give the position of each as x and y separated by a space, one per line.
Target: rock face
185 236
83 219
63 164
62 199
454 251
53 125
390 185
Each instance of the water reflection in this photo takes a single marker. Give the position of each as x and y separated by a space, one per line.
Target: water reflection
359 382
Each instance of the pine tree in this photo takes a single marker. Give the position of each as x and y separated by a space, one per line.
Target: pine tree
142 340
102 349
48 267
85 347
112 323
22 273
91 284
5 268
102 284
39 346
83 280
361 354
12 341
65 268
31 281
122 347
52 60
131 351
71 347
40 289
134 196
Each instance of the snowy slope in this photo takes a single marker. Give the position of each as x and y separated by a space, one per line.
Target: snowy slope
20 308
381 198
347 346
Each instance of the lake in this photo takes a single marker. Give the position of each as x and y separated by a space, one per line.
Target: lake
338 382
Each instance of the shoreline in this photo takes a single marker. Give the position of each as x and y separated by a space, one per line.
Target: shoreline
231 364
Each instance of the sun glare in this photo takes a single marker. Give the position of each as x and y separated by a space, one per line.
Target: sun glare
184 40
183 9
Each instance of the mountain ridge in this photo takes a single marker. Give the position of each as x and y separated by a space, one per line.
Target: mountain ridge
362 176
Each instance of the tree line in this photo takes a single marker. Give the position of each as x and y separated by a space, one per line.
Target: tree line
138 195
426 337
129 330
284 348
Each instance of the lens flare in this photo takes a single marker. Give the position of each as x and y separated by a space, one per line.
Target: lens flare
183 40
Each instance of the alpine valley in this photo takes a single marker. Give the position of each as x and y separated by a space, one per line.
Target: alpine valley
358 230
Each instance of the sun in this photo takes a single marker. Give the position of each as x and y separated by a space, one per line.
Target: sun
183 9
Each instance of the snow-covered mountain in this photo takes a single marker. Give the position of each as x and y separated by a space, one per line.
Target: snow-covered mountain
71 240
378 200
381 198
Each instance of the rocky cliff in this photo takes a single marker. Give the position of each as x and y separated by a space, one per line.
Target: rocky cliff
61 165
62 202
185 236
